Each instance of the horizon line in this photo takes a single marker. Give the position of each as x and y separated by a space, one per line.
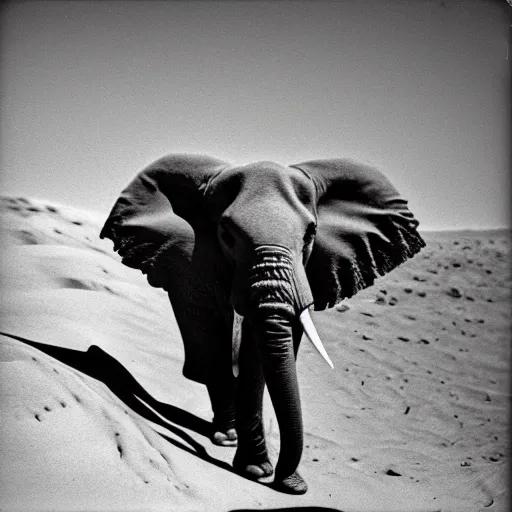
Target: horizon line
99 213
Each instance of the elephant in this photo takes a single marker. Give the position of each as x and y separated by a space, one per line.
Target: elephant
244 252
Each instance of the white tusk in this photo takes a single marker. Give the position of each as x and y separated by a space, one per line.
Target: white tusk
311 333
236 339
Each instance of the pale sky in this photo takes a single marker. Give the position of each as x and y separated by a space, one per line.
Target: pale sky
91 92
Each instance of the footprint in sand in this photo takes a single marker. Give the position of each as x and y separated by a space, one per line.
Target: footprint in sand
454 292
27 238
75 284
380 299
78 284
47 408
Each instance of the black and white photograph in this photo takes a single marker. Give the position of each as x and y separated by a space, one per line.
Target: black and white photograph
255 255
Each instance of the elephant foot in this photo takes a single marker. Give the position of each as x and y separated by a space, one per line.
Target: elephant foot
223 429
226 438
255 469
293 484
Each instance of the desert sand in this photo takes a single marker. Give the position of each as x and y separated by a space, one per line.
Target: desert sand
96 414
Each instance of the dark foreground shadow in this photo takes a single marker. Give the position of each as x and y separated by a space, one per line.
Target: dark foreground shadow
288 509
101 366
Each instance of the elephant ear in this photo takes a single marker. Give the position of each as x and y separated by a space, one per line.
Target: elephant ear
155 221
364 229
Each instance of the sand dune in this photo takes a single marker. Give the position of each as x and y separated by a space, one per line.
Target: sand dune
97 416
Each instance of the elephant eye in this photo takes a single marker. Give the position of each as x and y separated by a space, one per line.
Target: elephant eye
310 234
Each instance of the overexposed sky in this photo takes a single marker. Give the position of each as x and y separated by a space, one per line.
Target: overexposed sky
91 92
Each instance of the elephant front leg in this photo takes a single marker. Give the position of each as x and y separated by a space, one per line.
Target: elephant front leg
222 391
251 458
206 340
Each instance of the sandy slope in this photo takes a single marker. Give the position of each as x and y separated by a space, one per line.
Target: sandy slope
96 415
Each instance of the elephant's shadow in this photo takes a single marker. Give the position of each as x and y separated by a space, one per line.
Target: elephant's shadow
101 366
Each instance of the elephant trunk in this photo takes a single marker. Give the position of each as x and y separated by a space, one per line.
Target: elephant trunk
277 304
278 361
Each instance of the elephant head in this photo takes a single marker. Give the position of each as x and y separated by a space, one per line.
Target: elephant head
263 243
